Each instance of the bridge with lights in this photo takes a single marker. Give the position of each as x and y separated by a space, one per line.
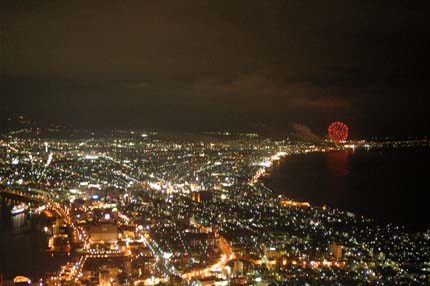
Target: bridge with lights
11 197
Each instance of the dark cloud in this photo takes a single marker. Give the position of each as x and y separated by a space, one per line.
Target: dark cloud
218 64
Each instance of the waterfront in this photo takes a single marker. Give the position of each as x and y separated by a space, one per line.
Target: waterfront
385 184
24 245
180 211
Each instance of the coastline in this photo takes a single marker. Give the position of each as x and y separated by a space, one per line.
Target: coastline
350 184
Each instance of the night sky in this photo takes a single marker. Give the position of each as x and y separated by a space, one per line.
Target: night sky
276 67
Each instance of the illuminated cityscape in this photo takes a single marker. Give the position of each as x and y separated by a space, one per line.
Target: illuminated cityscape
214 143
137 208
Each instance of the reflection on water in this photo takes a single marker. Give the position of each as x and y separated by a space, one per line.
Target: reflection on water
338 163
381 184
20 222
23 246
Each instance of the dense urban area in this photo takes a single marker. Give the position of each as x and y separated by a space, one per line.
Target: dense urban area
142 208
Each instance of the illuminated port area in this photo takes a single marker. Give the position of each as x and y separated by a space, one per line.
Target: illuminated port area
138 208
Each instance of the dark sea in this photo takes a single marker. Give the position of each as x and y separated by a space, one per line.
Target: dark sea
388 185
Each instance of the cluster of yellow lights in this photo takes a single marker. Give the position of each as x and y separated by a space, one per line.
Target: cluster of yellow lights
317 264
291 203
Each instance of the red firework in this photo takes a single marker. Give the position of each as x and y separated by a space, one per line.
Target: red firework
338 131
